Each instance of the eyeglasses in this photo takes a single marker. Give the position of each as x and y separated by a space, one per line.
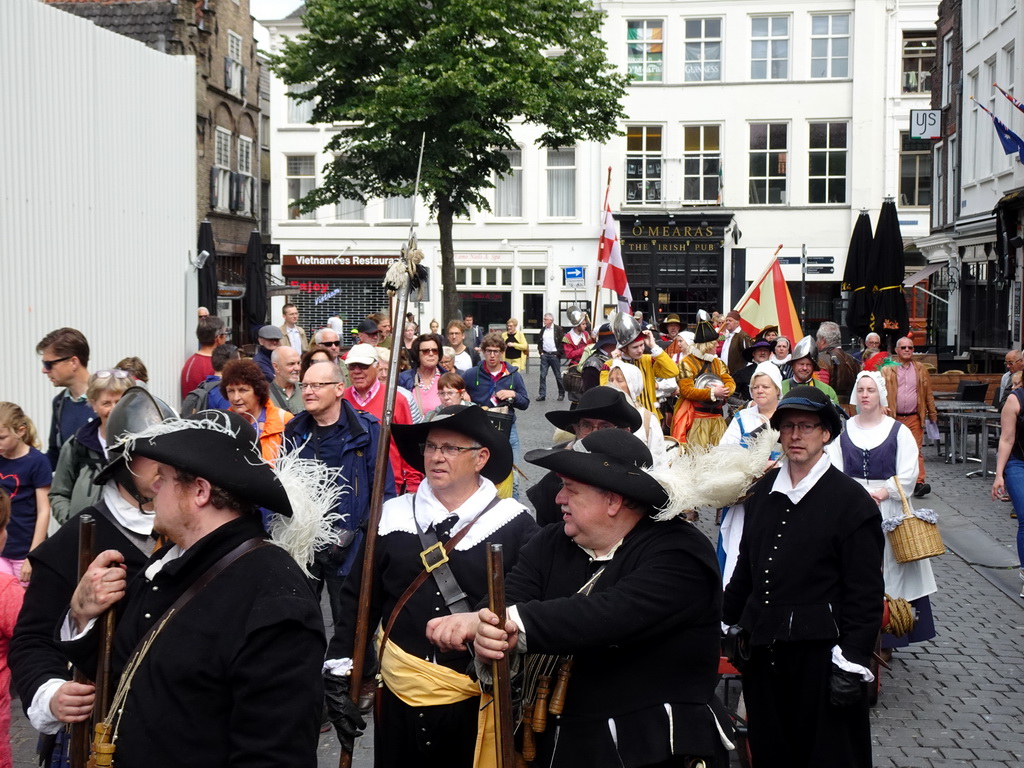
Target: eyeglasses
316 386
586 426
430 351
113 373
904 347
1008 363
48 364
449 451
800 429
331 343
493 351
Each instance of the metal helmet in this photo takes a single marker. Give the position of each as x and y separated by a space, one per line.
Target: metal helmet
806 347
135 411
708 381
575 315
626 328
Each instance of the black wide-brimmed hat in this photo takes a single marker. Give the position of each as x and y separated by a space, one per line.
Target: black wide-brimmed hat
471 421
748 351
137 410
605 403
612 459
811 400
218 446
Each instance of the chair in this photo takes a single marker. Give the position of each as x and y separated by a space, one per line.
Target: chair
956 371
972 391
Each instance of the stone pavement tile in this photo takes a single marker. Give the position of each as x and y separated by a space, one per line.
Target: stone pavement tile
957 753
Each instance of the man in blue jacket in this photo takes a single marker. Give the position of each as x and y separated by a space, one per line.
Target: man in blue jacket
332 431
494 384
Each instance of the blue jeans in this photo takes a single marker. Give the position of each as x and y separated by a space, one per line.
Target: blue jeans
1013 474
550 360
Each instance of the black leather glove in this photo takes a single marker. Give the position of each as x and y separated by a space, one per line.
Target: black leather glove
736 646
845 688
342 711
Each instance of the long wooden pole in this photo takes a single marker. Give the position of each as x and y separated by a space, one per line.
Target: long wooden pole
78 752
594 316
502 688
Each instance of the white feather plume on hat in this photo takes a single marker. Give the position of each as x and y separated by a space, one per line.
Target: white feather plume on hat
713 477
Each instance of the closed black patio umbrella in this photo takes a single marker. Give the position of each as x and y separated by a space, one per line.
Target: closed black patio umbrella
858 277
255 307
889 314
208 274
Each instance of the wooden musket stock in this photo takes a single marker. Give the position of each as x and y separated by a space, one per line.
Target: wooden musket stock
78 752
499 669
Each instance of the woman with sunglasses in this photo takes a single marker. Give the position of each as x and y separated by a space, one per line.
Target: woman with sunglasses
248 391
85 454
423 377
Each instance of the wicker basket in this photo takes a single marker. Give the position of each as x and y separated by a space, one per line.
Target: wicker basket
914 539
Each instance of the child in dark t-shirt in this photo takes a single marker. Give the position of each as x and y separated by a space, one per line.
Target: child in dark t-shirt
26 476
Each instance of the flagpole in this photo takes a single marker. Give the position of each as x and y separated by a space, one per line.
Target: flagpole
600 249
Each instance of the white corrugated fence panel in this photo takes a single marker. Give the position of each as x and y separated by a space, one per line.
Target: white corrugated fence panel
97 199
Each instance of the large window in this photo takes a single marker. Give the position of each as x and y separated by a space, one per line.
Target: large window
245 189
398 208
830 45
702 161
703 50
769 48
234 72
769 149
301 180
915 171
918 59
561 171
300 111
220 175
644 50
643 164
826 181
508 189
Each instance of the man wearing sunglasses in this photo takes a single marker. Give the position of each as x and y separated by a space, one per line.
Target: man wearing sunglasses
429 706
65 361
806 598
331 341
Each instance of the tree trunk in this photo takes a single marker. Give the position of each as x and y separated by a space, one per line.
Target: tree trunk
449 291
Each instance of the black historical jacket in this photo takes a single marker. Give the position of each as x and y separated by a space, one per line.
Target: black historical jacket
645 643
235 677
35 655
810 571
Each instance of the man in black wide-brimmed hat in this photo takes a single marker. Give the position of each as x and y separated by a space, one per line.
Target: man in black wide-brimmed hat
632 593
428 705
232 671
806 596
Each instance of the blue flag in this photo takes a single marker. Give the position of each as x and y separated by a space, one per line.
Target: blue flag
1011 141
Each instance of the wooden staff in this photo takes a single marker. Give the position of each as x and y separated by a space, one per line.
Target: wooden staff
594 314
499 669
78 752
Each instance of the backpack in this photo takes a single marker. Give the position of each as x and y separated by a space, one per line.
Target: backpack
195 400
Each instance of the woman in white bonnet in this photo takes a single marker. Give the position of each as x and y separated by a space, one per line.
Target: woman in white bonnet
782 355
630 381
877 451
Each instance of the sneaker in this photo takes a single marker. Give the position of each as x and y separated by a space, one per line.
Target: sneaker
922 489
561 397
540 399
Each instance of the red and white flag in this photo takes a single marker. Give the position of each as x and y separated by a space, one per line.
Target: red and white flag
613 271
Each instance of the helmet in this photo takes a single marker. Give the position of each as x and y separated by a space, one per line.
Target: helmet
626 329
575 315
806 347
135 411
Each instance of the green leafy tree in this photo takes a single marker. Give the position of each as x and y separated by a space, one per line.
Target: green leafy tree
458 72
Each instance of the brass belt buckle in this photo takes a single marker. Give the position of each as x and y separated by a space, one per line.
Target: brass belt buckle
438 549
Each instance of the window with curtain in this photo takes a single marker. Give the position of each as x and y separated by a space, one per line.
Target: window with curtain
246 186
220 182
301 176
300 111
398 208
508 188
561 170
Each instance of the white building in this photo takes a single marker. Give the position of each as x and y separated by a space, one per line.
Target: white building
748 127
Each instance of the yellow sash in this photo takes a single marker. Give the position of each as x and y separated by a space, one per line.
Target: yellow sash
419 683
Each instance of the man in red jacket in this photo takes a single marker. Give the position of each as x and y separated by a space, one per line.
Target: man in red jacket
367 394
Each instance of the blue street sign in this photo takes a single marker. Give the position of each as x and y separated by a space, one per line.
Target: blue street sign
820 270
574 273
789 259
821 260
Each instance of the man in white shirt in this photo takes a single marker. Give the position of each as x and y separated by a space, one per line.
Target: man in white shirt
733 342
549 345
294 336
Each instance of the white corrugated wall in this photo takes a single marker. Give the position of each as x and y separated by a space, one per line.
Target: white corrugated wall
97 199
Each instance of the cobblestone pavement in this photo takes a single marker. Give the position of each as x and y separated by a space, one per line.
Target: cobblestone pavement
954 701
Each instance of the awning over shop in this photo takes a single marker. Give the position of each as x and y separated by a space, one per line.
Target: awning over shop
917 277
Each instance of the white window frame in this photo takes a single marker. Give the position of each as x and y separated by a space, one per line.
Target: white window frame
952 180
299 111
399 208
769 59
923 152
300 190
973 135
939 200
830 151
234 85
920 75
508 188
769 180
246 191
831 40
645 167
696 70
997 160
695 163
559 176
222 167
947 68
649 65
